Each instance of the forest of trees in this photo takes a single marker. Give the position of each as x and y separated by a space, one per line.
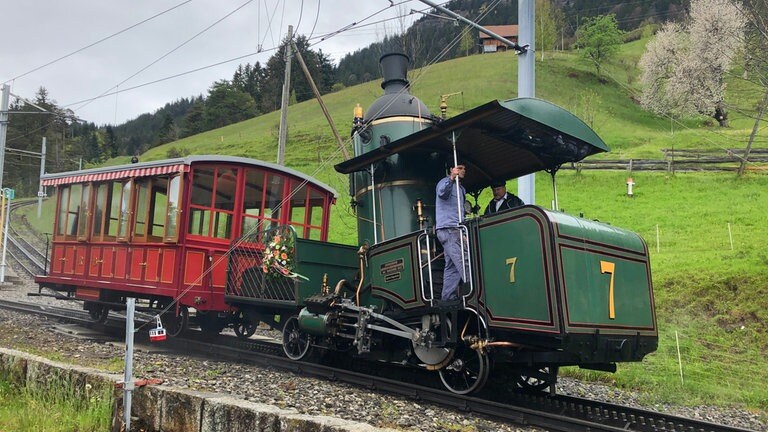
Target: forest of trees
255 89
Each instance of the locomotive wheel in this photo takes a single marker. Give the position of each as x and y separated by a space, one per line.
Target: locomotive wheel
296 343
98 312
467 371
176 325
534 379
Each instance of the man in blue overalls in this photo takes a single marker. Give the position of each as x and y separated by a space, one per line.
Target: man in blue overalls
449 213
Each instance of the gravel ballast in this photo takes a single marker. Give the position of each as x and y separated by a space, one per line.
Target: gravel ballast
287 390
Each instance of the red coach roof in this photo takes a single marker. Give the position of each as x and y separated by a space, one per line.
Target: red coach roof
168 166
115 174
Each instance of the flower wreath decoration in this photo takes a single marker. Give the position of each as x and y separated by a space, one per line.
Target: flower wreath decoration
279 258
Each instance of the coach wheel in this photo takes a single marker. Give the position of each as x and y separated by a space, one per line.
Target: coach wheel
296 342
210 323
245 329
97 312
466 372
535 379
176 325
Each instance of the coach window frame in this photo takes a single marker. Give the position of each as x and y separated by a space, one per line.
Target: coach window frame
212 217
173 213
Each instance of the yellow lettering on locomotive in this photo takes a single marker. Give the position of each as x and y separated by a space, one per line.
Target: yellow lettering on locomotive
512 262
609 267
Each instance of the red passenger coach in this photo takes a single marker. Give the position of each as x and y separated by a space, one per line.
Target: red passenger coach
160 231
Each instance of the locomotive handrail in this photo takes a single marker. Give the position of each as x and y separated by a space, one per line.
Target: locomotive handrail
465 235
430 296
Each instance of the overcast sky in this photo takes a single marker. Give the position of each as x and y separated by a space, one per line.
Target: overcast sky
37 32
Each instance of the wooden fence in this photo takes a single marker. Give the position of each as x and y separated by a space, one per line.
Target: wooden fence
683 160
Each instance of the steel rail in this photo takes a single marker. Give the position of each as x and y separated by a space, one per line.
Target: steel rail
559 413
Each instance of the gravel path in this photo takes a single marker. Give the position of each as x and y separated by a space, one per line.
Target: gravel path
286 390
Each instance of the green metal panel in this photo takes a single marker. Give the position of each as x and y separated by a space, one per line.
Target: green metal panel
315 259
594 255
588 276
392 273
596 233
514 275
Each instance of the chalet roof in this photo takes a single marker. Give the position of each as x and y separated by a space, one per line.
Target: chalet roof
506 31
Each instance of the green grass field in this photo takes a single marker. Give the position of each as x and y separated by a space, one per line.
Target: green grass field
55 409
706 231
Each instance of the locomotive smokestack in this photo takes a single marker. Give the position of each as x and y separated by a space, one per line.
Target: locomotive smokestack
394 68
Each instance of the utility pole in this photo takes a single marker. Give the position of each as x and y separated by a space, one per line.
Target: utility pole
344 152
284 104
4 107
526 81
526 75
41 190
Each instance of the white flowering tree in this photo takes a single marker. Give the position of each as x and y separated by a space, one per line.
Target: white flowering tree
684 66
756 61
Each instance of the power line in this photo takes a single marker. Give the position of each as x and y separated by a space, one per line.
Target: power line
98 41
174 49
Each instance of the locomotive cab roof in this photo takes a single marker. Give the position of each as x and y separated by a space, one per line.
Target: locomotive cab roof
500 139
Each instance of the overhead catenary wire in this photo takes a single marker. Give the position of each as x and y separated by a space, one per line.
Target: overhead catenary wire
97 42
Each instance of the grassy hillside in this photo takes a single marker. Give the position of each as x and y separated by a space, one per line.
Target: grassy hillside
706 232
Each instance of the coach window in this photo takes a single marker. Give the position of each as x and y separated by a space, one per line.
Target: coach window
307 207
112 218
274 201
201 201
83 213
298 209
172 209
224 202
73 211
140 214
253 202
151 203
158 204
100 205
70 199
213 202
315 214
125 211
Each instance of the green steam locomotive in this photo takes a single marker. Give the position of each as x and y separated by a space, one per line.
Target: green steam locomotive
544 289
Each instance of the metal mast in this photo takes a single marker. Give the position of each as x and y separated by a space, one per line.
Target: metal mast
284 104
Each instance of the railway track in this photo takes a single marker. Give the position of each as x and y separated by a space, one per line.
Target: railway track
561 413
31 258
558 413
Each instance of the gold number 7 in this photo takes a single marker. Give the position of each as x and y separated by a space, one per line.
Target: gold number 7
609 267
511 261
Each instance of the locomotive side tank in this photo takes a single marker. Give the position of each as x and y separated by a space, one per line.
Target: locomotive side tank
553 281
